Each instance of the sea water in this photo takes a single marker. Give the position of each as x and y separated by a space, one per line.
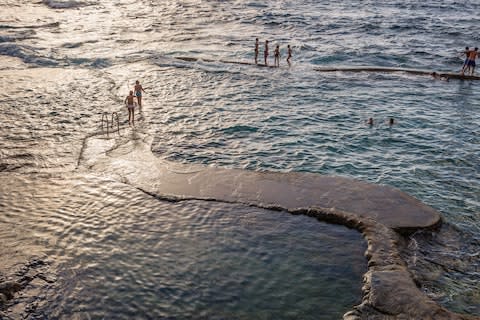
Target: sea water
112 250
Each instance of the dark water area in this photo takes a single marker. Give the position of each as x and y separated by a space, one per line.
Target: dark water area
110 251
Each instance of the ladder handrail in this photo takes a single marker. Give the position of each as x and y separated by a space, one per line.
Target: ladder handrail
115 115
110 124
105 116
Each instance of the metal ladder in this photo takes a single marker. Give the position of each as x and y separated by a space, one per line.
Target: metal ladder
110 124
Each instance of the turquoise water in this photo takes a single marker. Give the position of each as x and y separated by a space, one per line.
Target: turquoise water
64 63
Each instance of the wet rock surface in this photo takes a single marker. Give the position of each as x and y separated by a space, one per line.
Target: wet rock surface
17 290
382 214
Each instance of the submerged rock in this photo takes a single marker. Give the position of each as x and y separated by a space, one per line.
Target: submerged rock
8 289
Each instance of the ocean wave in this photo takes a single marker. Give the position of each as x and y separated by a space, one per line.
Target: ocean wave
47 25
30 55
23 35
27 54
56 4
239 129
87 62
72 45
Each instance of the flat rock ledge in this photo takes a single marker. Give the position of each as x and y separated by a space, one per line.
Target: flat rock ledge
389 291
381 213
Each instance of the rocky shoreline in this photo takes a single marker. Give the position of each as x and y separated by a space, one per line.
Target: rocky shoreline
30 275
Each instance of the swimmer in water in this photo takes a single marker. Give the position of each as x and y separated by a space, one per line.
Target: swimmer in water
370 122
440 76
391 122
138 93
129 102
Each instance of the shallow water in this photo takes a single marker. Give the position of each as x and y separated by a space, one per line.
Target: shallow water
64 63
116 252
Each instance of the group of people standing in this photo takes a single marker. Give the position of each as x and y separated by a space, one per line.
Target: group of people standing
131 103
469 63
276 53
135 96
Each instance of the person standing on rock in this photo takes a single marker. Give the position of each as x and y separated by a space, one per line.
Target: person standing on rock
256 50
130 103
465 53
472 56
289 54
138 93
265 52
277 56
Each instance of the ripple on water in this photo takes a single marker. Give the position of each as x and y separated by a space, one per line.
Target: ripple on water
306 121
118 252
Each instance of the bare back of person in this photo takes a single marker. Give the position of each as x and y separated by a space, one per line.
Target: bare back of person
130 102
472 56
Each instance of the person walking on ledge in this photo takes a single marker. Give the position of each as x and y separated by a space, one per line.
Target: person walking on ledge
465 53
256 50
138 93
289 54
265 52
129 102
472 56
277 56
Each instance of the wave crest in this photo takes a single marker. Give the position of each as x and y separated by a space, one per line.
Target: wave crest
56 4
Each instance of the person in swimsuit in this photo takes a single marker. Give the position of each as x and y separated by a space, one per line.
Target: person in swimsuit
265 52
138 93
465 53
129 102
289 54
472 56
256 50
277 55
